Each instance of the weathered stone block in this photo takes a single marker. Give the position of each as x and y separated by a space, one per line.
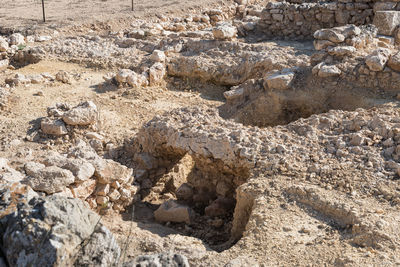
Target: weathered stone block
386 21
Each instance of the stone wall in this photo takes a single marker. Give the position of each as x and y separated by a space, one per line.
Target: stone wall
300 21
357 56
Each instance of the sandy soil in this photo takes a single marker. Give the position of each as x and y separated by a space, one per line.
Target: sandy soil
16 13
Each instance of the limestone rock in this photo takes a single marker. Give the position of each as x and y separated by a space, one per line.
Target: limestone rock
329 71
397 36
58 110
383 6
342 51
84 151
172 211
13 194
43 38
4 64
348 30
108 171
9 174
123 75
68 232
4 95
234 93
137 80
162 259
63 76
17 79
82 169
330 35
83 190
156 74
322 44
376 61
47 179
386 21
17 39
279 81
158 56
53 127
3 44
224 32
36 79
83 114
394 62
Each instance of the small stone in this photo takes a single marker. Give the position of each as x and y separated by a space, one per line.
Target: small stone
64 77
3 45
156 74
122 75
376 61
43 38
386 21
322 44
279 81
108 171
84 189
4 64
137 80
171 211
83 114
53 127
234 93
329 71
102 200
103 189
158 56
342 51
224 32
394 62
48 179
114 195
330 35
93 135
116 184
17 39
184 192
356 140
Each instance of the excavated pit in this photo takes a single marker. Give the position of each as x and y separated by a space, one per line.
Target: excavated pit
205 188
261 107
281 109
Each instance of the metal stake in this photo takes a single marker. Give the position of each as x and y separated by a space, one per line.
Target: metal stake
44 15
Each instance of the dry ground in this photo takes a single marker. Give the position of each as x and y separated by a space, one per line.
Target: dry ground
17 13
123 112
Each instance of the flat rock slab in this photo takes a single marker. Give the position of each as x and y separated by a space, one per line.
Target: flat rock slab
386 21
171 211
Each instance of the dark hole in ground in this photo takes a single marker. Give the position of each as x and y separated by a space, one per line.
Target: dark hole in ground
196 188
